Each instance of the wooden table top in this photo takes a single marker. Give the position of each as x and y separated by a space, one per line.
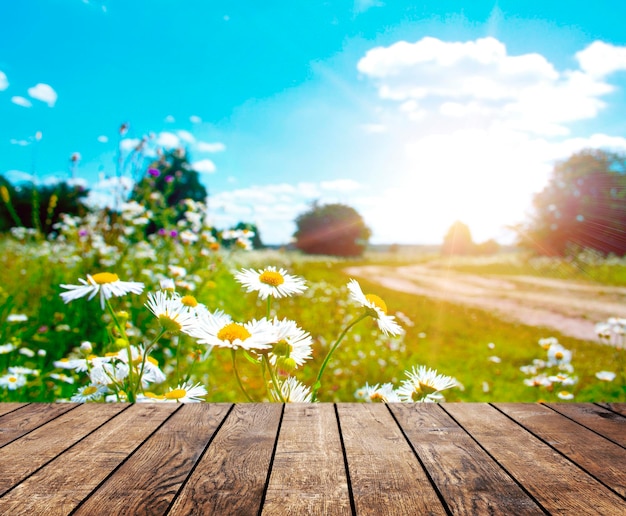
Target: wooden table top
405 459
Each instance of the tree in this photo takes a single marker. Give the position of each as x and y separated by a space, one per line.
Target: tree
458 240
40 206
332 229
165 185
583 206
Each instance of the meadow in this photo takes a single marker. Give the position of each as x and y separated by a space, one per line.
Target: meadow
56 344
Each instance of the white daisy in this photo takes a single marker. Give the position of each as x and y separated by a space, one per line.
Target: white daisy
12 381
186 393
376 307
218 329
270 282
605 376
169 310
291 342
107 284
565 395
558 355
89 393
384 393
424 384
295 392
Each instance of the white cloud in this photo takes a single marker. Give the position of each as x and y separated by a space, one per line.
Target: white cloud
195 119
4 82
600 59
210 147
18 176
103 139
44 93
22 143
167 140
204 166
480 79
129 144
361 6
170 119
185 136
21 101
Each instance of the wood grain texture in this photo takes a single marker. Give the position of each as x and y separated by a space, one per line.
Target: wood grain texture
556 483
16 423
230 477
147 483
63 483
605 422
619 408
602 458
46 442
385 475
469 481
5 408
308 473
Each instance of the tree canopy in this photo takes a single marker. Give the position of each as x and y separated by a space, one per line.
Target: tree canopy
583 206
332 229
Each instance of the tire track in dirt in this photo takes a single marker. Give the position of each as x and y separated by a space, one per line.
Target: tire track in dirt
569 307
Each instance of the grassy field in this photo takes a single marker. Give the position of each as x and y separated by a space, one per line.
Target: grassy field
483 353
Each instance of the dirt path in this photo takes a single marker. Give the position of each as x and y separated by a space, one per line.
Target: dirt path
566 306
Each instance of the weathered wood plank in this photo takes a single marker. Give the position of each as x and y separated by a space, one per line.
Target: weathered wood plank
5 408
308 473
63 483
602 458
607 423
557 484
619 408
17 423
23 456
230 477
468 479
149 480
385 475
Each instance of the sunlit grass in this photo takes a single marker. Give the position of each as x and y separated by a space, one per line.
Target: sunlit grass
477 348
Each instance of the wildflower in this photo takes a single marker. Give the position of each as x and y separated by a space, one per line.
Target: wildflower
291 342
89 393
170 311
6 348
541 380
61 377
186 393
271 282
375 307
294 392
107 284
380 393
424 385
605 376
558 355
565 395
12 381
17 318
218 329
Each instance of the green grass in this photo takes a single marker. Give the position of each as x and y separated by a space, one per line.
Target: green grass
453 339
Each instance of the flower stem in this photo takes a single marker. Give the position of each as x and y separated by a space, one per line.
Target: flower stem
274 380
130 395
233 353
318 381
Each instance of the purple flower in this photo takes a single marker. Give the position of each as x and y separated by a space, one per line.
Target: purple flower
162 232
154 172
169 179
173 233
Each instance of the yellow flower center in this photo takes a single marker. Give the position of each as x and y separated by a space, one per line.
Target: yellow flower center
105 277
13 379
232 332
153 361
377 302
169 324
89 390
175 394
153 396
559 355
189 301
272 278
377 396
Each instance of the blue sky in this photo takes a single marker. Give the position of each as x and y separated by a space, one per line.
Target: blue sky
415 113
